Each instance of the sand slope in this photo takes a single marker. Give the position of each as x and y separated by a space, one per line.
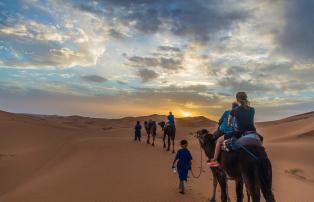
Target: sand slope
51 158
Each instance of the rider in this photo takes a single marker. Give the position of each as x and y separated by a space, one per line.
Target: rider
171 119
223 127
244 116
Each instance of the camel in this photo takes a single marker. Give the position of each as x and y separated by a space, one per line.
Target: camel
150 127
256 174
170 131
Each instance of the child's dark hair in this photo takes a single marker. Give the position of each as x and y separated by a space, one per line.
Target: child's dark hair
183 142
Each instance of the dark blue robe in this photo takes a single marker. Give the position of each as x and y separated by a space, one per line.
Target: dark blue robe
184 156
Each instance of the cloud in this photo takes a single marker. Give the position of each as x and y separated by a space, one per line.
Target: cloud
183 54
169 64
121 82
242 85
186 88
147 74
33 43
296 39
94 78
116 34
169 48
198 20
33 30
27 53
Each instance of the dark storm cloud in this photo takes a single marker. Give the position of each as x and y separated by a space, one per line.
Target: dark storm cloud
170 64
169 48
147 75
297 38
116 34
197 20
94 78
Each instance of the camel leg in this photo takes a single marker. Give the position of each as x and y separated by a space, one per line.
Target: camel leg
164 139
265 174
172 145
227 191
224 190
168 142
252 186
174 137
239 190
148 139
248 196
213 194
222 180
153 144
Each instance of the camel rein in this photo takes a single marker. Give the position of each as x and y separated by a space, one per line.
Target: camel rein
201 167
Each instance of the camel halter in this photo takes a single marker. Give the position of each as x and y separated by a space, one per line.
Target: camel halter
201 167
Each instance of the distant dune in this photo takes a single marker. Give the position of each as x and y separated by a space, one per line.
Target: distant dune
291 128
74 158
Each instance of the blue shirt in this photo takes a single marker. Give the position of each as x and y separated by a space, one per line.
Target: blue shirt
171 119
223 123
184 156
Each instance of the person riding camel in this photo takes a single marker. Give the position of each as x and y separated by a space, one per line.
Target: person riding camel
223 127
244 116
170 119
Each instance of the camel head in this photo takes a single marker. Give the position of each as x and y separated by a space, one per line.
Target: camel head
206 141
162 124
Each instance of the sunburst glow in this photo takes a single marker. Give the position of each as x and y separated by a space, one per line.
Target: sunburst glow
186 114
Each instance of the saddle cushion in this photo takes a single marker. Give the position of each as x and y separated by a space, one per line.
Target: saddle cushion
248 139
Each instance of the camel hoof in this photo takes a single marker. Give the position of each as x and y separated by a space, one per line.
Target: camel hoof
153 144
164 146
168 149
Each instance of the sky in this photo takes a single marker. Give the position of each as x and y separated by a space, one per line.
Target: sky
116 58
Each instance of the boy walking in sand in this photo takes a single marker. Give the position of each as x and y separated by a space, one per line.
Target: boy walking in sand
184 159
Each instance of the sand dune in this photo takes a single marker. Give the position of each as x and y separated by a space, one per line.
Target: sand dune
52 158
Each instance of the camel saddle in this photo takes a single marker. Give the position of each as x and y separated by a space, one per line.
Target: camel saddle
246 139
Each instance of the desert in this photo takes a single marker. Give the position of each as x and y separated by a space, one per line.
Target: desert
54 158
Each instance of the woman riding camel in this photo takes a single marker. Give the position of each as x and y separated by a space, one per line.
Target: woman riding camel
244 116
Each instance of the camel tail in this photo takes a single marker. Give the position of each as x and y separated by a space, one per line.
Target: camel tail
265 177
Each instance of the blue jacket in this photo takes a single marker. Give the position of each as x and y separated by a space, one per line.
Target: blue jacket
223 123
171 119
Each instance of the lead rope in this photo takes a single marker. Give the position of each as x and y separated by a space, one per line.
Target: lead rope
201 167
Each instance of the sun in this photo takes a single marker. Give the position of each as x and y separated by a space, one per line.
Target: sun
186 114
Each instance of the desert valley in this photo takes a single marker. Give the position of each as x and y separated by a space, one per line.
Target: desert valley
54 158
